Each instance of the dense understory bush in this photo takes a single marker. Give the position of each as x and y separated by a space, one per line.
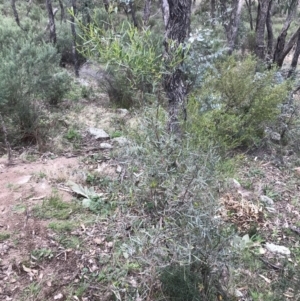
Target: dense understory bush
173 186
29 73
235 105
134 57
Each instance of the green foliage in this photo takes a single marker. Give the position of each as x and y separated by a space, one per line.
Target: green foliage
180 284
73 135
4 236
91 200
174 181
54 207
235 105
62 226
41 254
29 75
133 58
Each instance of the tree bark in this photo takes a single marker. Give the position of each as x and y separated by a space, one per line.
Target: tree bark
106 5
51 22
295 57
16 15
278 56
74 47
270 30
231 19
249 6
213 12
147 12
62 11
260 28
176 15
132 11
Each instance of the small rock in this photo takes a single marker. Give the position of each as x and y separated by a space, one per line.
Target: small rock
266 200
58 296
234 183
105 146
121 140
99 134
277 249
23 180
122 111
275 136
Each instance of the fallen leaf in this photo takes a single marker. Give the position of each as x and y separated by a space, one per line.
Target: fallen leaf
265 278
98 241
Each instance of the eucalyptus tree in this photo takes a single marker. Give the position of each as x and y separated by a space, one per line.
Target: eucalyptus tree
176 16
51 21
230 15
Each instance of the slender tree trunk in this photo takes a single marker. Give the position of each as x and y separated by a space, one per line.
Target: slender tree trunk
62 11
51 21
278 56
249 6
147 12
16 15
257 16
106 5
176 15
132 11
295 57
231 19
3 128
28 7
213 12
74 47
260 28
270 30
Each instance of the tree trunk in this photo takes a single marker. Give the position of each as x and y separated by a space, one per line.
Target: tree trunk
13 5
257 16
106 5
74 48
213 12
278 56
260 28
231 19
147 12
249 6
62 11
51 22
295 57
176 15
270 30
132 11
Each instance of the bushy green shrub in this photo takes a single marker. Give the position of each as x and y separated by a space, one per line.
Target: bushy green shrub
235 105
172 182
134 56
29 73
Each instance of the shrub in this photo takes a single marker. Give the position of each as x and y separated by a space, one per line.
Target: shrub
235 105
29 75
133 60
171 184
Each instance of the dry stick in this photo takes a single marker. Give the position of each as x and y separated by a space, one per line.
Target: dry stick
5 138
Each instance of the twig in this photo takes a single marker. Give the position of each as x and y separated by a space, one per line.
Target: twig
5 139
296 230
275 267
